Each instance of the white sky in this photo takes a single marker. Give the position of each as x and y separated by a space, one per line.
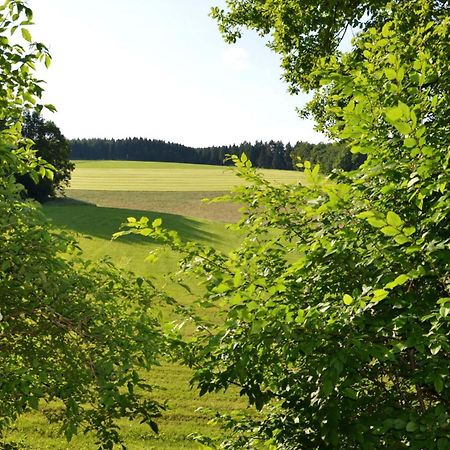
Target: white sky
160 69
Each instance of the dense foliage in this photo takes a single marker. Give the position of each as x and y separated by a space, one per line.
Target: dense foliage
71 330
269 155
335 310
53 147
328 156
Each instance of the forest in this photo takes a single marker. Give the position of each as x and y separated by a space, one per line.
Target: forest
268 155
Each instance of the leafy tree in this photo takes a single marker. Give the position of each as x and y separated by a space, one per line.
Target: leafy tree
70 330
335 310
329 156
301 32
51 146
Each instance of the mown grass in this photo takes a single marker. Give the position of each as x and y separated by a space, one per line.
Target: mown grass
183 203
187 414
94 226
103 195
157 176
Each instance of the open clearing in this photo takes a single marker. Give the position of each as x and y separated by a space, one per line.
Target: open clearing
103 195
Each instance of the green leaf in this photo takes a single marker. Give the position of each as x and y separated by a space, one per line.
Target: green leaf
406 112
408 231
409 142
393 219
390 231
34 402
379 294
401 239
365 215
394 114
49 174
402 127
26 35
350 393
438 383
157 223
391 74
221 288
377 223
327 386
421 130
411 426
443 443
434 349
385 31
50 107
401 279
348 299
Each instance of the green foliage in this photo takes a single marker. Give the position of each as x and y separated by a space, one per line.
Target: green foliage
333 316
70 330
53 147
328 156
301 32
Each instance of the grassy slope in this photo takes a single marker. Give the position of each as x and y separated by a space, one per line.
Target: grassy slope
187 414
95 225
183 203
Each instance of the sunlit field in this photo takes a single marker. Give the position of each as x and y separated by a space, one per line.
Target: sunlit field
160 176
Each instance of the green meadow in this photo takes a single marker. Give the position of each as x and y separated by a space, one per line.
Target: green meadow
103 194
159 176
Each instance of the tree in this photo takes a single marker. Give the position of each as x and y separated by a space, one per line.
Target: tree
335 309
51 146
301 32
70 330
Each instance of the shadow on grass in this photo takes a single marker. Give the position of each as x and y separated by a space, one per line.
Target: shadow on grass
66 201
101 222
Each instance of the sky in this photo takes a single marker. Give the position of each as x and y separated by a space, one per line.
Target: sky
160 69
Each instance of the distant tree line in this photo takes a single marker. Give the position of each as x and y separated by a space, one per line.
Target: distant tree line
269 155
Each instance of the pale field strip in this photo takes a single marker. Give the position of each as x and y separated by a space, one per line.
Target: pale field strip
156 176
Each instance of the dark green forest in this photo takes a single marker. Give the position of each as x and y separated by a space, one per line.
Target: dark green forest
268 155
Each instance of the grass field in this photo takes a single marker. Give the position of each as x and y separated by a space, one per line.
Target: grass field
102 196
157 176
95 225
184 203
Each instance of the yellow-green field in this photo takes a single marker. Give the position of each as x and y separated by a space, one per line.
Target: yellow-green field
158 176
103 194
